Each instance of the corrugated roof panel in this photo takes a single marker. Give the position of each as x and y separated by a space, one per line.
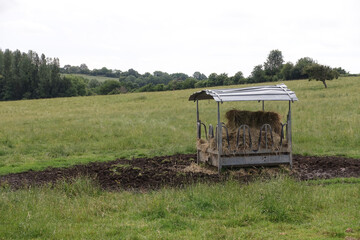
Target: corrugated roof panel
259 93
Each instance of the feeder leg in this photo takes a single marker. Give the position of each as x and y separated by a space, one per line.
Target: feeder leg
219 137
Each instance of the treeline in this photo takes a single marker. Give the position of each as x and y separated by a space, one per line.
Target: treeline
28 76
83 69
272 70
133 81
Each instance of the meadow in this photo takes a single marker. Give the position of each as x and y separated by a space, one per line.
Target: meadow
35 134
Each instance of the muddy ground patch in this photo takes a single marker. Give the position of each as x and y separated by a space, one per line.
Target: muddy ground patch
179 170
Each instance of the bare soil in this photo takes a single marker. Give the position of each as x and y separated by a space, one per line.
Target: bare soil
143 174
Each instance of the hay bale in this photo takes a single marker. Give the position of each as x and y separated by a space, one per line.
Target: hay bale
273 144
255 120
236 118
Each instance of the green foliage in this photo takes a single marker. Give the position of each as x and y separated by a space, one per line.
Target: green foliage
83 69
257 75
149 88
341 71
26 76
72 86
321 73
109 87
201 84
273 63
199 76
286 71
238 78
274 69
299 70
132 81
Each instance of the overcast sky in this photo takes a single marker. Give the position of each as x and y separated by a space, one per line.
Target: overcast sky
184 35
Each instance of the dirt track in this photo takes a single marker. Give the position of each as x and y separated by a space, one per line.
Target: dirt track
179 170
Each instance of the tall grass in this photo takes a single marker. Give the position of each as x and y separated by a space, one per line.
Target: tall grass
276 209
35 134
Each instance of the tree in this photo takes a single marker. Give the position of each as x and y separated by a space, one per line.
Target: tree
16 78
94 83
34 85
26 75
201 84
299 70
222 79
212 80
133 72
274 62
257 75
238 78
55 77
7 83
109 87
341 70
44 78
199 76
84 69
321 73
1 85
179 76
159 87
1 73
1 62
189 83
286 71
174 85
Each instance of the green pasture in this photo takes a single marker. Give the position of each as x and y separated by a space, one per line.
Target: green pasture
280 208
35 134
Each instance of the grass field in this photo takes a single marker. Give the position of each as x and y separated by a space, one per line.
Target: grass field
277 209
35 134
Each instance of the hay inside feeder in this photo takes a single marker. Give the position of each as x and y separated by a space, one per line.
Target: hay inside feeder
255 120
236 118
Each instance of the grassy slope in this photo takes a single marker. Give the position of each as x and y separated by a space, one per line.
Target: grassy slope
59 132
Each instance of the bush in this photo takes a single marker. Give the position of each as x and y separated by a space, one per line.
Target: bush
109 86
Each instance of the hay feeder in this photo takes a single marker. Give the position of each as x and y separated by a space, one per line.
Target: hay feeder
217 150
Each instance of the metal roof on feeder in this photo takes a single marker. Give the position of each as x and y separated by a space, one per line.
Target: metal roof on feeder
278 92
